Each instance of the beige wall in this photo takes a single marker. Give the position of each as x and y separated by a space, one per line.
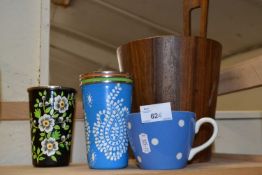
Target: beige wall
19 47
246 100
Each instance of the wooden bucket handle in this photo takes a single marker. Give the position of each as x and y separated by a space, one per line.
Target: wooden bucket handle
189 5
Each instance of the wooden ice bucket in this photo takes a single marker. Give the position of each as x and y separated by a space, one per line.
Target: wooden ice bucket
183 70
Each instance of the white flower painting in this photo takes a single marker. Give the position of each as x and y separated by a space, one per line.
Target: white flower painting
61 104
49 146
46 123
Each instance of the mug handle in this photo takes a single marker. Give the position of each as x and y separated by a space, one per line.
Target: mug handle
201 121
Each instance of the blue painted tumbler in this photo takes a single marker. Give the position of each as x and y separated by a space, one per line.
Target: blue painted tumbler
107 99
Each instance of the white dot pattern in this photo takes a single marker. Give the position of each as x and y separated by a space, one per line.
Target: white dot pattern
155 141
139 159
181 123
129 126
179 156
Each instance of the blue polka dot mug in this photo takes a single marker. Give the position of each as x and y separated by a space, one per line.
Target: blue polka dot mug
166 144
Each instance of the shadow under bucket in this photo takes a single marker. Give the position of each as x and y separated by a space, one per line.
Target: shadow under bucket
181 70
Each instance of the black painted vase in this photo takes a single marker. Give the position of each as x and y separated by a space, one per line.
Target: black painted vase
51 117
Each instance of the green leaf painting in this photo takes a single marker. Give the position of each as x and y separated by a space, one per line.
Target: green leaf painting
47 110
66 127
51 111
57 127
64 114
58 152
56 135
53 158
41 158
41 138
48 135
37 113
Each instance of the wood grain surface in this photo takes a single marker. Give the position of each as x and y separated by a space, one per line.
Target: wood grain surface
180 70
190 5
221 164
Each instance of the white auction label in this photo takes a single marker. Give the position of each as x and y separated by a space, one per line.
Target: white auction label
156 112
144 143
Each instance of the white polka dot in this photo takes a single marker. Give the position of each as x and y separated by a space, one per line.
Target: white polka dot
154 141
139 159
179 156
181 123
129 126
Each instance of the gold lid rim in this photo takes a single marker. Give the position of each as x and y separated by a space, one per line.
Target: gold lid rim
106 74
